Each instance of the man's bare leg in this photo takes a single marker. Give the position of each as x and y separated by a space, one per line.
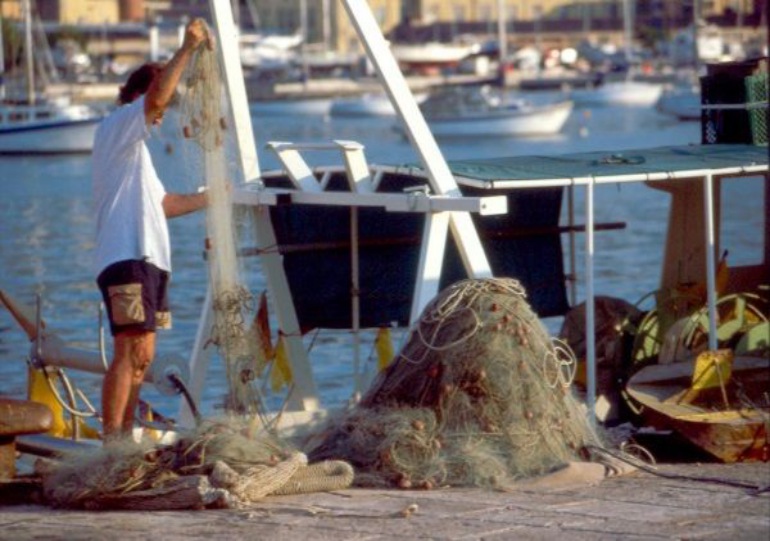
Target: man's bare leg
134 351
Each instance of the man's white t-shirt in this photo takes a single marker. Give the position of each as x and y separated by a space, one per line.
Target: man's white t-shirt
128 195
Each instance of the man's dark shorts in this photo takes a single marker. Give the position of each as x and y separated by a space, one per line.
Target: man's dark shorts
136 296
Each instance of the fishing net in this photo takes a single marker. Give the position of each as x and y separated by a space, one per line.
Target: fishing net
223 463
229 461
479 395
204 117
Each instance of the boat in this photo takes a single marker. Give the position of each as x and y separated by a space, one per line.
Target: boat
718 416
268 52
50 126
431 57
692 47
461 111
41 124
559 79
360 246
682 102
35 122
366 105
320 106
362 106
625 92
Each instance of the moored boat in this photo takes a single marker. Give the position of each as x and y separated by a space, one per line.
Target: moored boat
461 111
728 417
35 123
625 92
366 105
47 127
683 103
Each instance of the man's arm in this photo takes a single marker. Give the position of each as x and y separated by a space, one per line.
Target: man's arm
164 85
177 204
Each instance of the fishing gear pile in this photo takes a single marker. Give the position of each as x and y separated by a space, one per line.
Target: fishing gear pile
221 464
479 395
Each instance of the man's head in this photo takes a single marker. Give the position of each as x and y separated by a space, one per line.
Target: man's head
139 82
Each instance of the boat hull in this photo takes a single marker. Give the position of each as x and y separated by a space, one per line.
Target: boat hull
539 120
279 107
631 93
363 106
65 137
684 105
730 434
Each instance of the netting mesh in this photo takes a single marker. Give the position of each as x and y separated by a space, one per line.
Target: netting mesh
479 395
229 461
756 96
204 115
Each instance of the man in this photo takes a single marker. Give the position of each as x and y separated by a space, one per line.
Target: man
133 253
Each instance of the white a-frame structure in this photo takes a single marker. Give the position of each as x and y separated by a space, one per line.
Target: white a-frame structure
446 209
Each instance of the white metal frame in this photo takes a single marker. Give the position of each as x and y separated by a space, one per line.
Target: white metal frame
446 209
442 214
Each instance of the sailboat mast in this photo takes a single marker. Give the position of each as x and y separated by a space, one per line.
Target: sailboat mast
2 60
29 63
502 36
303 24
695 22
628 17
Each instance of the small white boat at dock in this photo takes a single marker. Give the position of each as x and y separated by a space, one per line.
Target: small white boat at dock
32 122
626 92
462 111
47 127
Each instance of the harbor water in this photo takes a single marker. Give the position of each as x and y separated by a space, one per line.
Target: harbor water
46 235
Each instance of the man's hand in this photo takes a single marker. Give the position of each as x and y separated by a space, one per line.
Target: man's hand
196 33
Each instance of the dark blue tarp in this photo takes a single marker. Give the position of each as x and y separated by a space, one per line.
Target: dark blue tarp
523 244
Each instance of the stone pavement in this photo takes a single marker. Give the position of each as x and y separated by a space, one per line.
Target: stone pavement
634 506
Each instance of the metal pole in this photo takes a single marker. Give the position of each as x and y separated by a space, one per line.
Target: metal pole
708 199
154 41
502 37
590 313
628 18
572 246
695 48
303 25
355 284
30 66
327 27
2 59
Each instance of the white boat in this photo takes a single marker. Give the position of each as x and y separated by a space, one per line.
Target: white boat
369 104
472 111
431 55
47 127
625 92
683 103
268 51
39 124
319 106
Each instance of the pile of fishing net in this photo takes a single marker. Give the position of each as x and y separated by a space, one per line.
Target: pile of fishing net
223 463
479 395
